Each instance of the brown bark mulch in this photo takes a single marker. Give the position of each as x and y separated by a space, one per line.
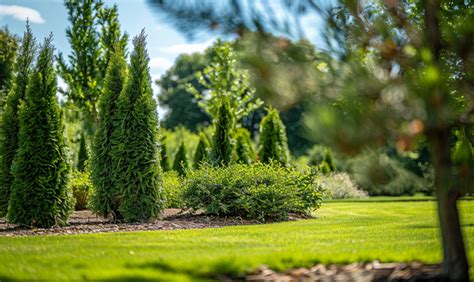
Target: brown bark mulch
86 222
374 271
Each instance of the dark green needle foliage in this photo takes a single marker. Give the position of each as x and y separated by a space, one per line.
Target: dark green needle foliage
181 160
244 152
164 160
137 172
273 145
202 151
10 124
104 200
40 195
222 140
83 155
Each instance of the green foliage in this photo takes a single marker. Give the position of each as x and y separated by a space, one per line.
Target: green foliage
10 123
164 159
174 137
181 160
378 174
273 146
263 192
174 95
83 155
40 195
226 82
173 188
106 197
82 188
201 154
8 50
321 157
244 152
340 186
93 35
222 139
137 172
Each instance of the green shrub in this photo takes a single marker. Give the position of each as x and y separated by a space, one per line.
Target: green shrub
321 157
181 160
259 191
173 187
40 195
378 174
82 188
340 186
273 145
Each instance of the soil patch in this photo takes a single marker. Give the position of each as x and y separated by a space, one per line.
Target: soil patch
86 222
374 271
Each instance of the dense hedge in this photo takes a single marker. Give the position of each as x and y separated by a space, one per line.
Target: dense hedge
258 191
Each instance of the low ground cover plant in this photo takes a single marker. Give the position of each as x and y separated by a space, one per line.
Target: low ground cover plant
265 192
340 186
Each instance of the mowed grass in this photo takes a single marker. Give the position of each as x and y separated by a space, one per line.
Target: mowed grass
343 232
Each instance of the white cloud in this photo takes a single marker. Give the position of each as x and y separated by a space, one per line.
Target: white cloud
160 63
186 48
21 13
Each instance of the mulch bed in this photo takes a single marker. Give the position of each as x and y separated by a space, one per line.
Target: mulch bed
86 222
374 271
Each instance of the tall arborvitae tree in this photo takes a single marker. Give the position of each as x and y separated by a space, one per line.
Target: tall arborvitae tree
244 152
181 160
40 195
273 145
137 173
8 49
83 155
104 200
164 160
222 140
10 123
201 155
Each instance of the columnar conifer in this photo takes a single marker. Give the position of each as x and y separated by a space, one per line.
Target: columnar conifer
244 152
40 195
181 160
201 154
105 198
10 123
137 173
83 155
273 146
164 160
222 141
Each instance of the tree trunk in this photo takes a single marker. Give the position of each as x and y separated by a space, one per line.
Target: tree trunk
455 264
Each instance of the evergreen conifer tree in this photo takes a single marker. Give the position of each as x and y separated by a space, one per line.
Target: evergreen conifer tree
181 160
273 146
83 155
222 141
104 200
201 154
137 172
244 152
10 123
165 161
40 195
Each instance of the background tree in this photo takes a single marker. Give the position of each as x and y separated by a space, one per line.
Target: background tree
10 123
40 168
222 138
83 155
8 49
137 173
182 106
244 152
201 155
104 200
164 157
273 146
402 69
181 160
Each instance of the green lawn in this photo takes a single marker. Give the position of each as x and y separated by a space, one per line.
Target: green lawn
343 232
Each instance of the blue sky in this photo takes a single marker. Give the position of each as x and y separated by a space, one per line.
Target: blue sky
164 42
